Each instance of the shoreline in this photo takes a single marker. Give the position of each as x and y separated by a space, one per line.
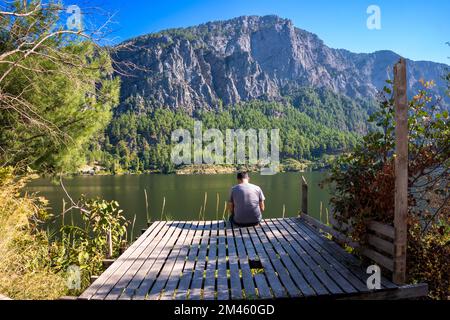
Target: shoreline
205 170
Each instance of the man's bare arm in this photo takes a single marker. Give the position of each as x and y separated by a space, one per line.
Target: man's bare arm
262 206
230 207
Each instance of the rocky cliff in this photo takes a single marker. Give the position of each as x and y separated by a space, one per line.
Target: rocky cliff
252 57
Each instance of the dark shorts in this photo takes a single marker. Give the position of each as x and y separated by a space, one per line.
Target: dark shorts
242 224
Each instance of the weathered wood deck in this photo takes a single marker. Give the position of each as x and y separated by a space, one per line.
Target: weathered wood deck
281 258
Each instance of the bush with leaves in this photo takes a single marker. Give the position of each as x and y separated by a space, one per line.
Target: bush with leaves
363 184
87 244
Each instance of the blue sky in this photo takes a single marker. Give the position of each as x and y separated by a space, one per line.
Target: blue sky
415 29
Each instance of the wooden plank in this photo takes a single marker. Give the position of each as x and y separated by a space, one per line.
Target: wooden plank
403 292
377 257
275 284
342 269
222 277
175 275
338 225
353 273
116 273
235 280
330 245
247 278
336 234
381 228
381 244
260 280
401 172
347 259
209 289
167 269
197 278
275 238
147 236
313 260
185 281
142 281
135 263
301 259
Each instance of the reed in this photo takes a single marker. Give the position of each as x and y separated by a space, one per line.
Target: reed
200 213
217 205
284 210
224 210
149 218
163 207
320 212
328 216
132 229
64 210
204 205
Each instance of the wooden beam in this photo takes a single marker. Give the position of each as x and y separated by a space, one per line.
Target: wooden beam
378 258
72 298
401 172
339 237
381 228
403 292
381 244
304 196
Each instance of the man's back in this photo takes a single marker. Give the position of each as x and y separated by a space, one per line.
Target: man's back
246 198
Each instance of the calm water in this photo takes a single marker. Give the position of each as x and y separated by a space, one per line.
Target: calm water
184 194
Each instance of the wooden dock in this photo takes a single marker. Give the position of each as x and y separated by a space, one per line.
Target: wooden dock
281 258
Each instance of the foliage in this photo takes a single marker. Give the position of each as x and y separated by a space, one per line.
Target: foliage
87 245
295 165
141 141
26 270
364 190
334 110
56 89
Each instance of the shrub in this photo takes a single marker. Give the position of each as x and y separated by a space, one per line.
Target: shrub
364 190
25 266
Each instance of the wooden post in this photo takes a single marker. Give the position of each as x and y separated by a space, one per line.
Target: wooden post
304 196
401 172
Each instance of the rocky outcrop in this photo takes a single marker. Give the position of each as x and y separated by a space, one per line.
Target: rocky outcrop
252 57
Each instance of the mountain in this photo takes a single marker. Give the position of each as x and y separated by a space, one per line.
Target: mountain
252 57
248 72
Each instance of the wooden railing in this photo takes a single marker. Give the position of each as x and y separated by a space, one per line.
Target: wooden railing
379 242
387 244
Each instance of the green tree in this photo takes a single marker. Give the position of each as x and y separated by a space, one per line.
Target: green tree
56 88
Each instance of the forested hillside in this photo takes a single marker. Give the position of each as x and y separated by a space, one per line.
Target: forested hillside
248 72
141 141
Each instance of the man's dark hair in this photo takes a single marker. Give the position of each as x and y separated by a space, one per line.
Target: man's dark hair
242 175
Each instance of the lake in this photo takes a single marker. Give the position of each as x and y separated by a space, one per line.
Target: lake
184 194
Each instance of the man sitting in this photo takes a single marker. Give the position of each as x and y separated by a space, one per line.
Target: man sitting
246 202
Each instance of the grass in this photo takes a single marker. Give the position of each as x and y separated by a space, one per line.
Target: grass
25 266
